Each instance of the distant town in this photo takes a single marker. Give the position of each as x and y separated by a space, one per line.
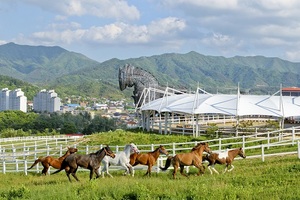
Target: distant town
47 101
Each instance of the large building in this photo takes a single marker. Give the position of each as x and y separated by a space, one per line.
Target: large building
13 100
291 91
46 101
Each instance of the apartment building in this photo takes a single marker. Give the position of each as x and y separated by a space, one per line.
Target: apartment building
13 100
46 101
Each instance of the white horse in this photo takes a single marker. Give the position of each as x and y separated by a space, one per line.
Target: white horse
122 158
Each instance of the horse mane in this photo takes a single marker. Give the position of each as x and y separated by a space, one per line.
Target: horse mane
198 146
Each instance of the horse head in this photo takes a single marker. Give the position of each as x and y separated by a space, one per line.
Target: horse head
108 152
207 148
162 150
242 153
133 148
72 150
203 145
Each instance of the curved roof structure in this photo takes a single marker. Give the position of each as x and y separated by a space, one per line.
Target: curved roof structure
227 104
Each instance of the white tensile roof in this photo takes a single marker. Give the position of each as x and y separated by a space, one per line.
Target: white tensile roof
227 104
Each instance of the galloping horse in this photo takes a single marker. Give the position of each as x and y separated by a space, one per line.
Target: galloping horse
226 157
54 162
187 159
122 159
90 161
149 158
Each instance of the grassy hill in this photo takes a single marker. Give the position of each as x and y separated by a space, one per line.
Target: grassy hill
71 73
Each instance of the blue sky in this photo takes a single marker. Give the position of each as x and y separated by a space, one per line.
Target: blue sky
105 29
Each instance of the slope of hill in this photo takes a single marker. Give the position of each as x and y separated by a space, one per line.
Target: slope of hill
73 73
39 64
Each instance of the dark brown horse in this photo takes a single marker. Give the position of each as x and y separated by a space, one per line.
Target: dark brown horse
226 157
188 159
54 162
90 161
149 158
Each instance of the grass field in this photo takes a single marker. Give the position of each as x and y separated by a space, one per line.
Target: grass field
276 178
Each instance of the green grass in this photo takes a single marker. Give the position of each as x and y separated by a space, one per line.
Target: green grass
276 178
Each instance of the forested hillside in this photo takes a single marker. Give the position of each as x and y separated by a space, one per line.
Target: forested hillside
71 73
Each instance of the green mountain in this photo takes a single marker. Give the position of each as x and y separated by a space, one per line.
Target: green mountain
71 73
40 64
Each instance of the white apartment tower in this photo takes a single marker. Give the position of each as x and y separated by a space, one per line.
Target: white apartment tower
46 101
13 100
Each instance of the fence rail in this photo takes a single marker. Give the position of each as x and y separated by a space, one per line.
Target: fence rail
19 155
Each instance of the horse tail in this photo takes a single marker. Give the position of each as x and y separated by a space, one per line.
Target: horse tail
168 163
35 162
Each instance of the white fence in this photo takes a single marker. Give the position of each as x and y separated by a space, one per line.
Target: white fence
17 155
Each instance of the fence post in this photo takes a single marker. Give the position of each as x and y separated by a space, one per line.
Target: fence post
4 167
293 135
87 149
220 144
14 152
298 149
25 167
24 150
268 140
244 143
48 150
174 151
60 150
152 147
263 153
35 150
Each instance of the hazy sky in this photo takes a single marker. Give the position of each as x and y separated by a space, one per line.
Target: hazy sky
105 29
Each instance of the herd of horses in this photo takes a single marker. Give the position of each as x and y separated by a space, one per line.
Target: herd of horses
131 156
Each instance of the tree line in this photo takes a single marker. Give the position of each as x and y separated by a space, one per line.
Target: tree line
16 123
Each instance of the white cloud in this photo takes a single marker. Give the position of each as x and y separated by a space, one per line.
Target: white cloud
100 8
115 33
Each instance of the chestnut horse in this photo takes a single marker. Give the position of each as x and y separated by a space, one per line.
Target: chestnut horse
226 157
90 161
54 162
187 159
149 158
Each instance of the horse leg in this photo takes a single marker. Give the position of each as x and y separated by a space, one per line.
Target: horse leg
97 172
200 167
74 175
225 170
209 169
45 169
232 167
182 171
129 169
105 169
215 170
91 173
149 170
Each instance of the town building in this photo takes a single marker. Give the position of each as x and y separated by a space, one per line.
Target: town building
291 91
46 101
13 100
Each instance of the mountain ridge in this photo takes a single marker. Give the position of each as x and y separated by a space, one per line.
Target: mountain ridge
74 73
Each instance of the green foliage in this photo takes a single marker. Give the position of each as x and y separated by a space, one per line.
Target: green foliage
16 193
212 130
100 124
18 123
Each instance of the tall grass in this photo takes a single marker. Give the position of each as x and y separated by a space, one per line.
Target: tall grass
276 178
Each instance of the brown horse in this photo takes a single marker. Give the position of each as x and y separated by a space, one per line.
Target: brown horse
90 161
149 158
54 162
226 157
187 159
